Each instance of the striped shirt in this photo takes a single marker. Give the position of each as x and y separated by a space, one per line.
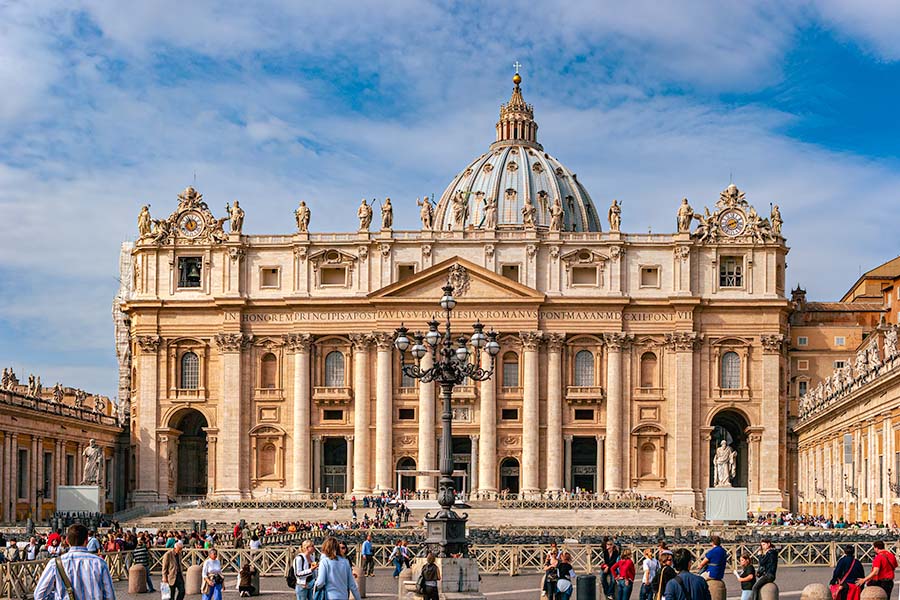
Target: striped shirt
88 573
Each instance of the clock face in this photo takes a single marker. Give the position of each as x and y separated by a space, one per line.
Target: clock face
732 223
190 224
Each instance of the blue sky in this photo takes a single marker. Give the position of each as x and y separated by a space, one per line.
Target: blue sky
108 106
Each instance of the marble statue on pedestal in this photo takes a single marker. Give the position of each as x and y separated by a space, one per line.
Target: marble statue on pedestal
364 212
426 213
685 216
236 215
302 214
145 223
615 216
725 464
93 464
387 214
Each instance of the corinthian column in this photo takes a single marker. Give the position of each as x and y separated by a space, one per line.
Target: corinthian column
770 495
147 490
383 426
361 480
615 343
531 418
426 429
683 344
487 432
298 343
555 343
233 453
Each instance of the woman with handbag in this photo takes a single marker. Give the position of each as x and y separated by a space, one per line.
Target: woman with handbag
211 585
565 576
846 572
335 577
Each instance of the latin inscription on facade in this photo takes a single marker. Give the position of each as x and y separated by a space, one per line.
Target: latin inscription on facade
484 315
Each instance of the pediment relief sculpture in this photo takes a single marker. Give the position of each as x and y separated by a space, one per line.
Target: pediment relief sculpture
584 256
332 257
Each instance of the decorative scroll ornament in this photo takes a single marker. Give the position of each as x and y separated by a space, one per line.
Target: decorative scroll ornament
232 342
683 253
618 340
683 341
555 341
236 253
297 342
361 341
772 343
531 339
458 277
148 343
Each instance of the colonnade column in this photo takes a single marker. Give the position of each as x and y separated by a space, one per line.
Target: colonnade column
384 440
615 343
601 449
425 460
568 461
33 474
683 344
531 418
555 343
299 344
4 477
361 481
13 476
147 489
212 437
487 430
473 486
770 493
350 451
234 453
317 464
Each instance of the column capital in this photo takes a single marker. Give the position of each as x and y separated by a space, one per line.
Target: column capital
617 341
774 343
232 342
348 438
555 341
600 438
148 344
317 438
531 339
361 341
568 438
297 342
383 340
474 437
683 341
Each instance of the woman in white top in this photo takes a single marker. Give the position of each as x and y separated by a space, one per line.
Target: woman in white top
305 570
651 566
335 573
212 577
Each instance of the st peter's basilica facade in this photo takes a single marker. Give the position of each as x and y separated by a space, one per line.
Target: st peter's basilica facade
262 366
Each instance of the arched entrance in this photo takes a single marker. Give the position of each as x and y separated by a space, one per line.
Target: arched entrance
407 482
334 475
509 475
731 426
191 453
584 464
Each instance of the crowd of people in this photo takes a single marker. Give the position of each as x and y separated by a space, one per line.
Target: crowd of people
788 519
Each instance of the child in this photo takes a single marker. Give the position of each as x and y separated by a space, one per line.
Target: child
747 576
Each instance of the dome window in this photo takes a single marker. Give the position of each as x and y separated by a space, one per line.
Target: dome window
537 168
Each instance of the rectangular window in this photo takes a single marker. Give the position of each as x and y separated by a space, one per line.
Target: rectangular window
802 340
584 275
510 374
731 272
189 271
269 277
801 387
406 381
838 364
848 448
22 478
406 414
330 414
509 414
802 365
405 272
650 277
510 272
48 475
334 276
70 469
840 340
584 414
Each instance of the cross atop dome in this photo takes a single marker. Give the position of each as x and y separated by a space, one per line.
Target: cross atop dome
516 124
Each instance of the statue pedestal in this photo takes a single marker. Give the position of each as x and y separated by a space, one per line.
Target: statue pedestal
80 498
726 504
459 580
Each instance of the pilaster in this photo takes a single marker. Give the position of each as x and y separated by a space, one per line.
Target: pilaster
361 482
384 390
531 341
487 432
146 485
616 343
555 344
299 345
234 454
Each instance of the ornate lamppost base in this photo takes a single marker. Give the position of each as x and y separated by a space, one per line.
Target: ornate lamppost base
445 534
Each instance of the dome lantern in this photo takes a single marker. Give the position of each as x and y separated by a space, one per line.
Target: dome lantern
517 124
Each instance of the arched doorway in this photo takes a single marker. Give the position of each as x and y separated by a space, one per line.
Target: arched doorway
584 464
407 482
731 426
334 476
191 453
509 475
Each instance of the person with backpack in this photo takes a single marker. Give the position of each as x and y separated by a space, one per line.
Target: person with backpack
396 557
846 573
664 574
427 583
883 565
304 567
685 585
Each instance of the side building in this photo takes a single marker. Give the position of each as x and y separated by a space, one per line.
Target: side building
262 366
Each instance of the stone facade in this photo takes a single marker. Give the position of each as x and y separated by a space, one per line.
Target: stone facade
266 360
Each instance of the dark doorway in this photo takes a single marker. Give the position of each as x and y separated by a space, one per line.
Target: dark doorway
407 482
584 463
191 453
462 461
509 475
334 469
730 425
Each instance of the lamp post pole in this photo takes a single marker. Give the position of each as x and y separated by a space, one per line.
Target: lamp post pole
446 530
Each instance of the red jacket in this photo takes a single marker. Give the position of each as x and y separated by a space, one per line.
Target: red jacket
886 563
624 569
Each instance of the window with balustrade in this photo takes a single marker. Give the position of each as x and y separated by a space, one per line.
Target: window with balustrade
584 368
334 369
190 371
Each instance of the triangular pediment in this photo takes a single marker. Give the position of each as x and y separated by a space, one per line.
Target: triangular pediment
473 283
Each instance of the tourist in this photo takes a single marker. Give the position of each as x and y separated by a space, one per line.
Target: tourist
255 542
171 571
335 574
686 585
396 557
245 580
565 575
368 553
141 556
649 568
610 557
768 567
81 570
623 572
747 576
211 587
31 549
883 565
714 561
94 546
846 573
12 551
305 570
551 574
665 574
407 555
431 574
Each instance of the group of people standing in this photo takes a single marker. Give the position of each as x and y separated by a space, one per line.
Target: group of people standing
849 578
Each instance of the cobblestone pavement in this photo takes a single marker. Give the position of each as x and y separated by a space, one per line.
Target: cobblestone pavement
500 587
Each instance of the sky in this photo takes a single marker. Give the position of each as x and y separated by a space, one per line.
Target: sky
105 106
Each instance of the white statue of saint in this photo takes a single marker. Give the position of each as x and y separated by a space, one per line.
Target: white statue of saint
93 464
725 464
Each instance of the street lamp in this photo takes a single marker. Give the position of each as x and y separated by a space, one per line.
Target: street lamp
850 489
446 530
893 485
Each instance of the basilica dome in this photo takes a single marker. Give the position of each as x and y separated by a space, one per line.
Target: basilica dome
516 171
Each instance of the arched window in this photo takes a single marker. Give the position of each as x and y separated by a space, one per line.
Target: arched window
334 369
190 371
648 370
510 369
406 381
269 371
731 371
584 368
267 460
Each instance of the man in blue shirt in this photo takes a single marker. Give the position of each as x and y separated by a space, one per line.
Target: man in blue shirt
686 585
86 574
714 560
368 557
93 545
